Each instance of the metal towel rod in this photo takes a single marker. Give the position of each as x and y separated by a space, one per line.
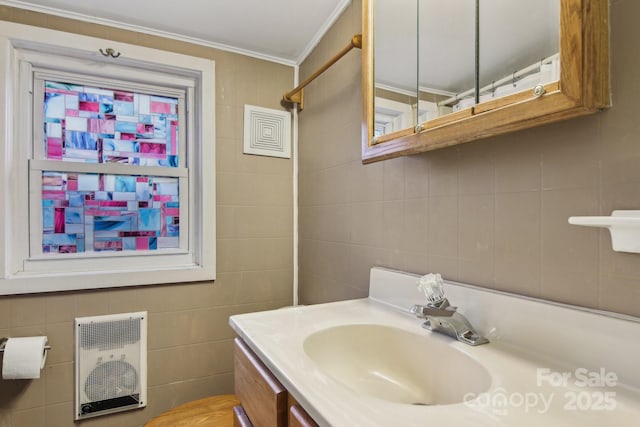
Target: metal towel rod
296 95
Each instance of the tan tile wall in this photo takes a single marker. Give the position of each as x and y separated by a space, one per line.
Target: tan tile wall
491 213
190 342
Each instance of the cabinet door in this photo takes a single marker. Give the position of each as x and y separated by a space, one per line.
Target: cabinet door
262 396
240 418
298 417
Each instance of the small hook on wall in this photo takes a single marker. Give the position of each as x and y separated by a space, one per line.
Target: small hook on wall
110 52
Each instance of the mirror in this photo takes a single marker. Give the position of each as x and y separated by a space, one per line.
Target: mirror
446 56
532 62
517 49
396 66
519 45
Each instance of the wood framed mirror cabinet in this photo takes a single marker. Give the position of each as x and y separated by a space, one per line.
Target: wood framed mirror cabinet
578 85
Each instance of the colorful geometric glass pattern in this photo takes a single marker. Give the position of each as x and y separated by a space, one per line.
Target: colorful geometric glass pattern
96 125
83 212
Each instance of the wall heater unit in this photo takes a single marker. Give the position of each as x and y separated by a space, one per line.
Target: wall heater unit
110 363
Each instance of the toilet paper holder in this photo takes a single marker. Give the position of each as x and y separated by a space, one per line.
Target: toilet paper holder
3 343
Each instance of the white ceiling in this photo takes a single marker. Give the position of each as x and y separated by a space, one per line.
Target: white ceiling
283 31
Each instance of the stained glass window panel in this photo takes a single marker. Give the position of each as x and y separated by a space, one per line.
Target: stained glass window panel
88 212
97 125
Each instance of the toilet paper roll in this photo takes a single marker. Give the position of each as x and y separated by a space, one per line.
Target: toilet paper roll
23 358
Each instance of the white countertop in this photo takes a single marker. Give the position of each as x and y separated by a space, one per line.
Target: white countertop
278 336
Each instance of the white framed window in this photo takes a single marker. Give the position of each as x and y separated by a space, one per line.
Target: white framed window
108 175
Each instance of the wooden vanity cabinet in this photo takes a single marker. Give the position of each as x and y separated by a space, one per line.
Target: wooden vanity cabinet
261 395
264 401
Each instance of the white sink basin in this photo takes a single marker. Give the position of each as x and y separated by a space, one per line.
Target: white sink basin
395 365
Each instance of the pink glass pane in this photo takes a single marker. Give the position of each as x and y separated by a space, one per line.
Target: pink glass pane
99 212
101 125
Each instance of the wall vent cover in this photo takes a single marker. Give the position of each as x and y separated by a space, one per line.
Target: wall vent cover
111 363
267 132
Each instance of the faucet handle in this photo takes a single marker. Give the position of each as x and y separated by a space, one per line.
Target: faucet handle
431 286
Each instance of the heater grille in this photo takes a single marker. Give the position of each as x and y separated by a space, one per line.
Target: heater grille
107 334
110 363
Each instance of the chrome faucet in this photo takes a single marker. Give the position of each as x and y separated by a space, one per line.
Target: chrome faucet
441 317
